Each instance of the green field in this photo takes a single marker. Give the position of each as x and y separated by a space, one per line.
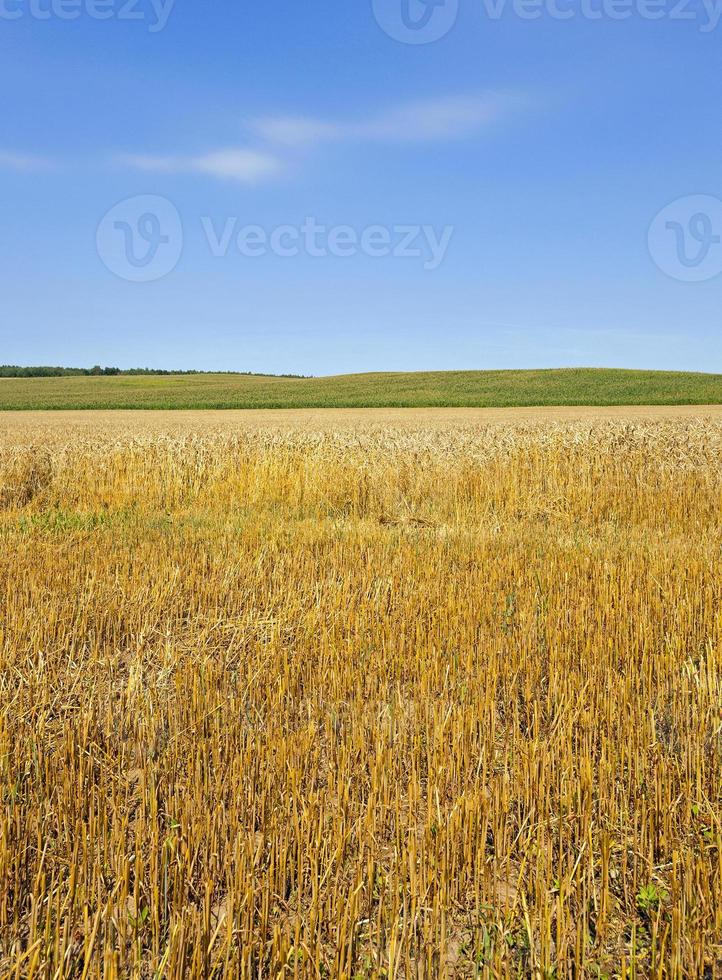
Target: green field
483 389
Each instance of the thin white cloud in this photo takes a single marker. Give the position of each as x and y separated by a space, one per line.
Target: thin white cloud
298 130
246 166
23 162
430 120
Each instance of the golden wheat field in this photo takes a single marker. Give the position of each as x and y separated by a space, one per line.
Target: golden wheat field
367 700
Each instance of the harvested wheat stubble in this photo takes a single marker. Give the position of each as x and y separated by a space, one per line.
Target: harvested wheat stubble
373 701
54 425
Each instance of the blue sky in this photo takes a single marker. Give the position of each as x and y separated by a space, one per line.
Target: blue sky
537 151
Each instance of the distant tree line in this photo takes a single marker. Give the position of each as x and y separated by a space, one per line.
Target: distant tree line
13 371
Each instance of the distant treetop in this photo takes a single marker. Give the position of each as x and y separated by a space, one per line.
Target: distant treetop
14 371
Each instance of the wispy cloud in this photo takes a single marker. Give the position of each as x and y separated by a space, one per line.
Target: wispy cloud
425 121
274 138
23 162
247 166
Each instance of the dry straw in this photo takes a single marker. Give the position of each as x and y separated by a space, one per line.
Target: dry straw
373 703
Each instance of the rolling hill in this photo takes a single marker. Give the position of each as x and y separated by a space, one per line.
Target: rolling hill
572 386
